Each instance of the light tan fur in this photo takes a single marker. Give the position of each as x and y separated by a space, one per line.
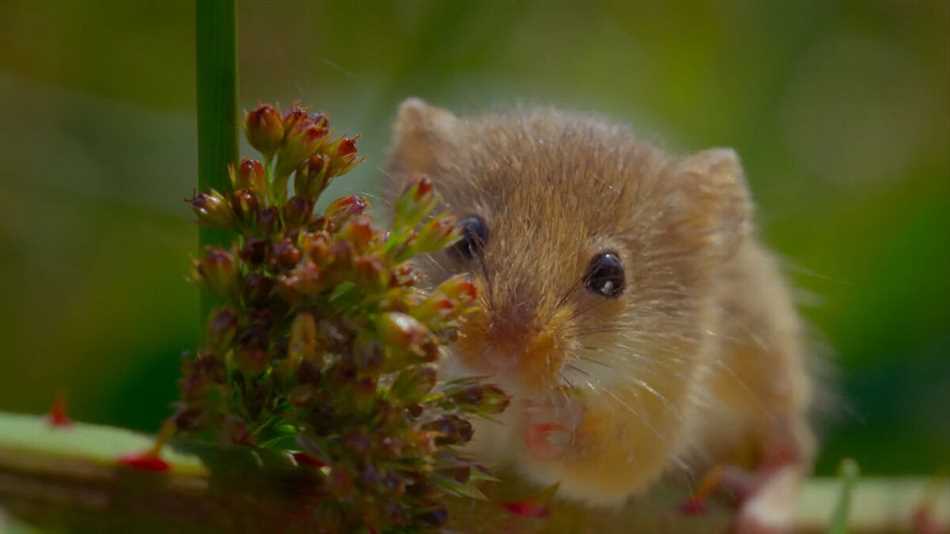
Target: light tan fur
699 362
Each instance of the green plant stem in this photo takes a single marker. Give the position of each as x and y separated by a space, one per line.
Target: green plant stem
216 81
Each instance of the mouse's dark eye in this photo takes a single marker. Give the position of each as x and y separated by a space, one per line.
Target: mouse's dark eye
605 275
474 237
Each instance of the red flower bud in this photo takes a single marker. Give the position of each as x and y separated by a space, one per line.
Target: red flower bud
316 245
359 232
303 137
249 175
264 129
341 209
286 254
343 155
460 288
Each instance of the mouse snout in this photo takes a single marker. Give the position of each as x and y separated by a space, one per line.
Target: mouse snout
516 344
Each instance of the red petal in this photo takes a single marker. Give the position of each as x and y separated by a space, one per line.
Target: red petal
144 461
526 508
57 413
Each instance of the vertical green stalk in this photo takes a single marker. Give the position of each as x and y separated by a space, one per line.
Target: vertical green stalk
216 79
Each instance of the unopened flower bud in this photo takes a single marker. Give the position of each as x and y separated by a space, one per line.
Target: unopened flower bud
212 209
312 176
268 221
297 211
342 209
218 270
416 201
254 251
414 383
359 232
452 430
317 246
401 330
483 399
303 137
459 288
245 205
371 273
294 117
250 175
286 254
302 345
264 129
343 155
435 235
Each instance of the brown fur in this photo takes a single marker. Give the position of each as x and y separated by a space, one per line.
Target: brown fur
698 362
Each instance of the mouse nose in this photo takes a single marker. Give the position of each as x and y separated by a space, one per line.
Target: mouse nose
506 341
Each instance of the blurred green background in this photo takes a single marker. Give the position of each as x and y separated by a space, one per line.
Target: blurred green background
839 109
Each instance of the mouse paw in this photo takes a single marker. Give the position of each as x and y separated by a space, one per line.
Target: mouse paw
767 498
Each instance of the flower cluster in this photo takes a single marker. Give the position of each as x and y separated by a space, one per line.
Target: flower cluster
324 349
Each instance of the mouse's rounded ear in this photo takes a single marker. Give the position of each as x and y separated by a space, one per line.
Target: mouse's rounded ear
714 206
422 137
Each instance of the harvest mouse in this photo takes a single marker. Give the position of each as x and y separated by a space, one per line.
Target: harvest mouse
627 305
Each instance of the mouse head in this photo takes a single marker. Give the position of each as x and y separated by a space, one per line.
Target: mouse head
595 252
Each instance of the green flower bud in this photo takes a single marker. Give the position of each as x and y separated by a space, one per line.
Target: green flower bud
414 203
412 384
246 206
435 235
212 209
482 399
312 176
401 330
218 271
302 345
